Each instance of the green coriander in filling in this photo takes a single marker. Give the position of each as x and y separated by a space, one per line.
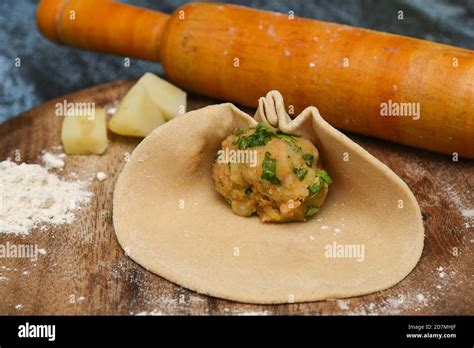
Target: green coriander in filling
286 182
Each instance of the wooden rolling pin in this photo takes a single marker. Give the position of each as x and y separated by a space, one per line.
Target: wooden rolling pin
353 75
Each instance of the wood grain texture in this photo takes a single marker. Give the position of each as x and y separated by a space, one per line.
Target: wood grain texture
84 270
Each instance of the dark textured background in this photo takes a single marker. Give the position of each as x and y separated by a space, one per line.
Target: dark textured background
49 70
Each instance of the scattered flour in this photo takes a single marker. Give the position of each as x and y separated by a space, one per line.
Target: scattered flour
441 272
391 305
421 298
343 304
42 251
53 161
101 176
464 207
154 312
31 196
469 213
253 313
241 312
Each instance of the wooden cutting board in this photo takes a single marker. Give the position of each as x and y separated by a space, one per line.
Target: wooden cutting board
84 270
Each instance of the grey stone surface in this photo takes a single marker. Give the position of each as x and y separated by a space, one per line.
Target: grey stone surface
49 70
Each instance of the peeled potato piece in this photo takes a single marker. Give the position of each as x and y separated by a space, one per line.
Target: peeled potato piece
169 98
149 103
137 115
82 135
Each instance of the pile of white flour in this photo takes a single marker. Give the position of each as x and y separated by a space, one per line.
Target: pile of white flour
31 196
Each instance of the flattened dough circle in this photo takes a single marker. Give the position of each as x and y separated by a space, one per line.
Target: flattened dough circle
169 219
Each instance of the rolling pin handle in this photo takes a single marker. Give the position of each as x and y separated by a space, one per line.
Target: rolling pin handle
103 25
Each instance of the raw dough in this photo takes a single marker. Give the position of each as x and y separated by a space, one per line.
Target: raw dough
169 219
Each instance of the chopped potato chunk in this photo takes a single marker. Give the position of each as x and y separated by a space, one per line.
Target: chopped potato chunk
83 135
169 98
137 115
149 103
